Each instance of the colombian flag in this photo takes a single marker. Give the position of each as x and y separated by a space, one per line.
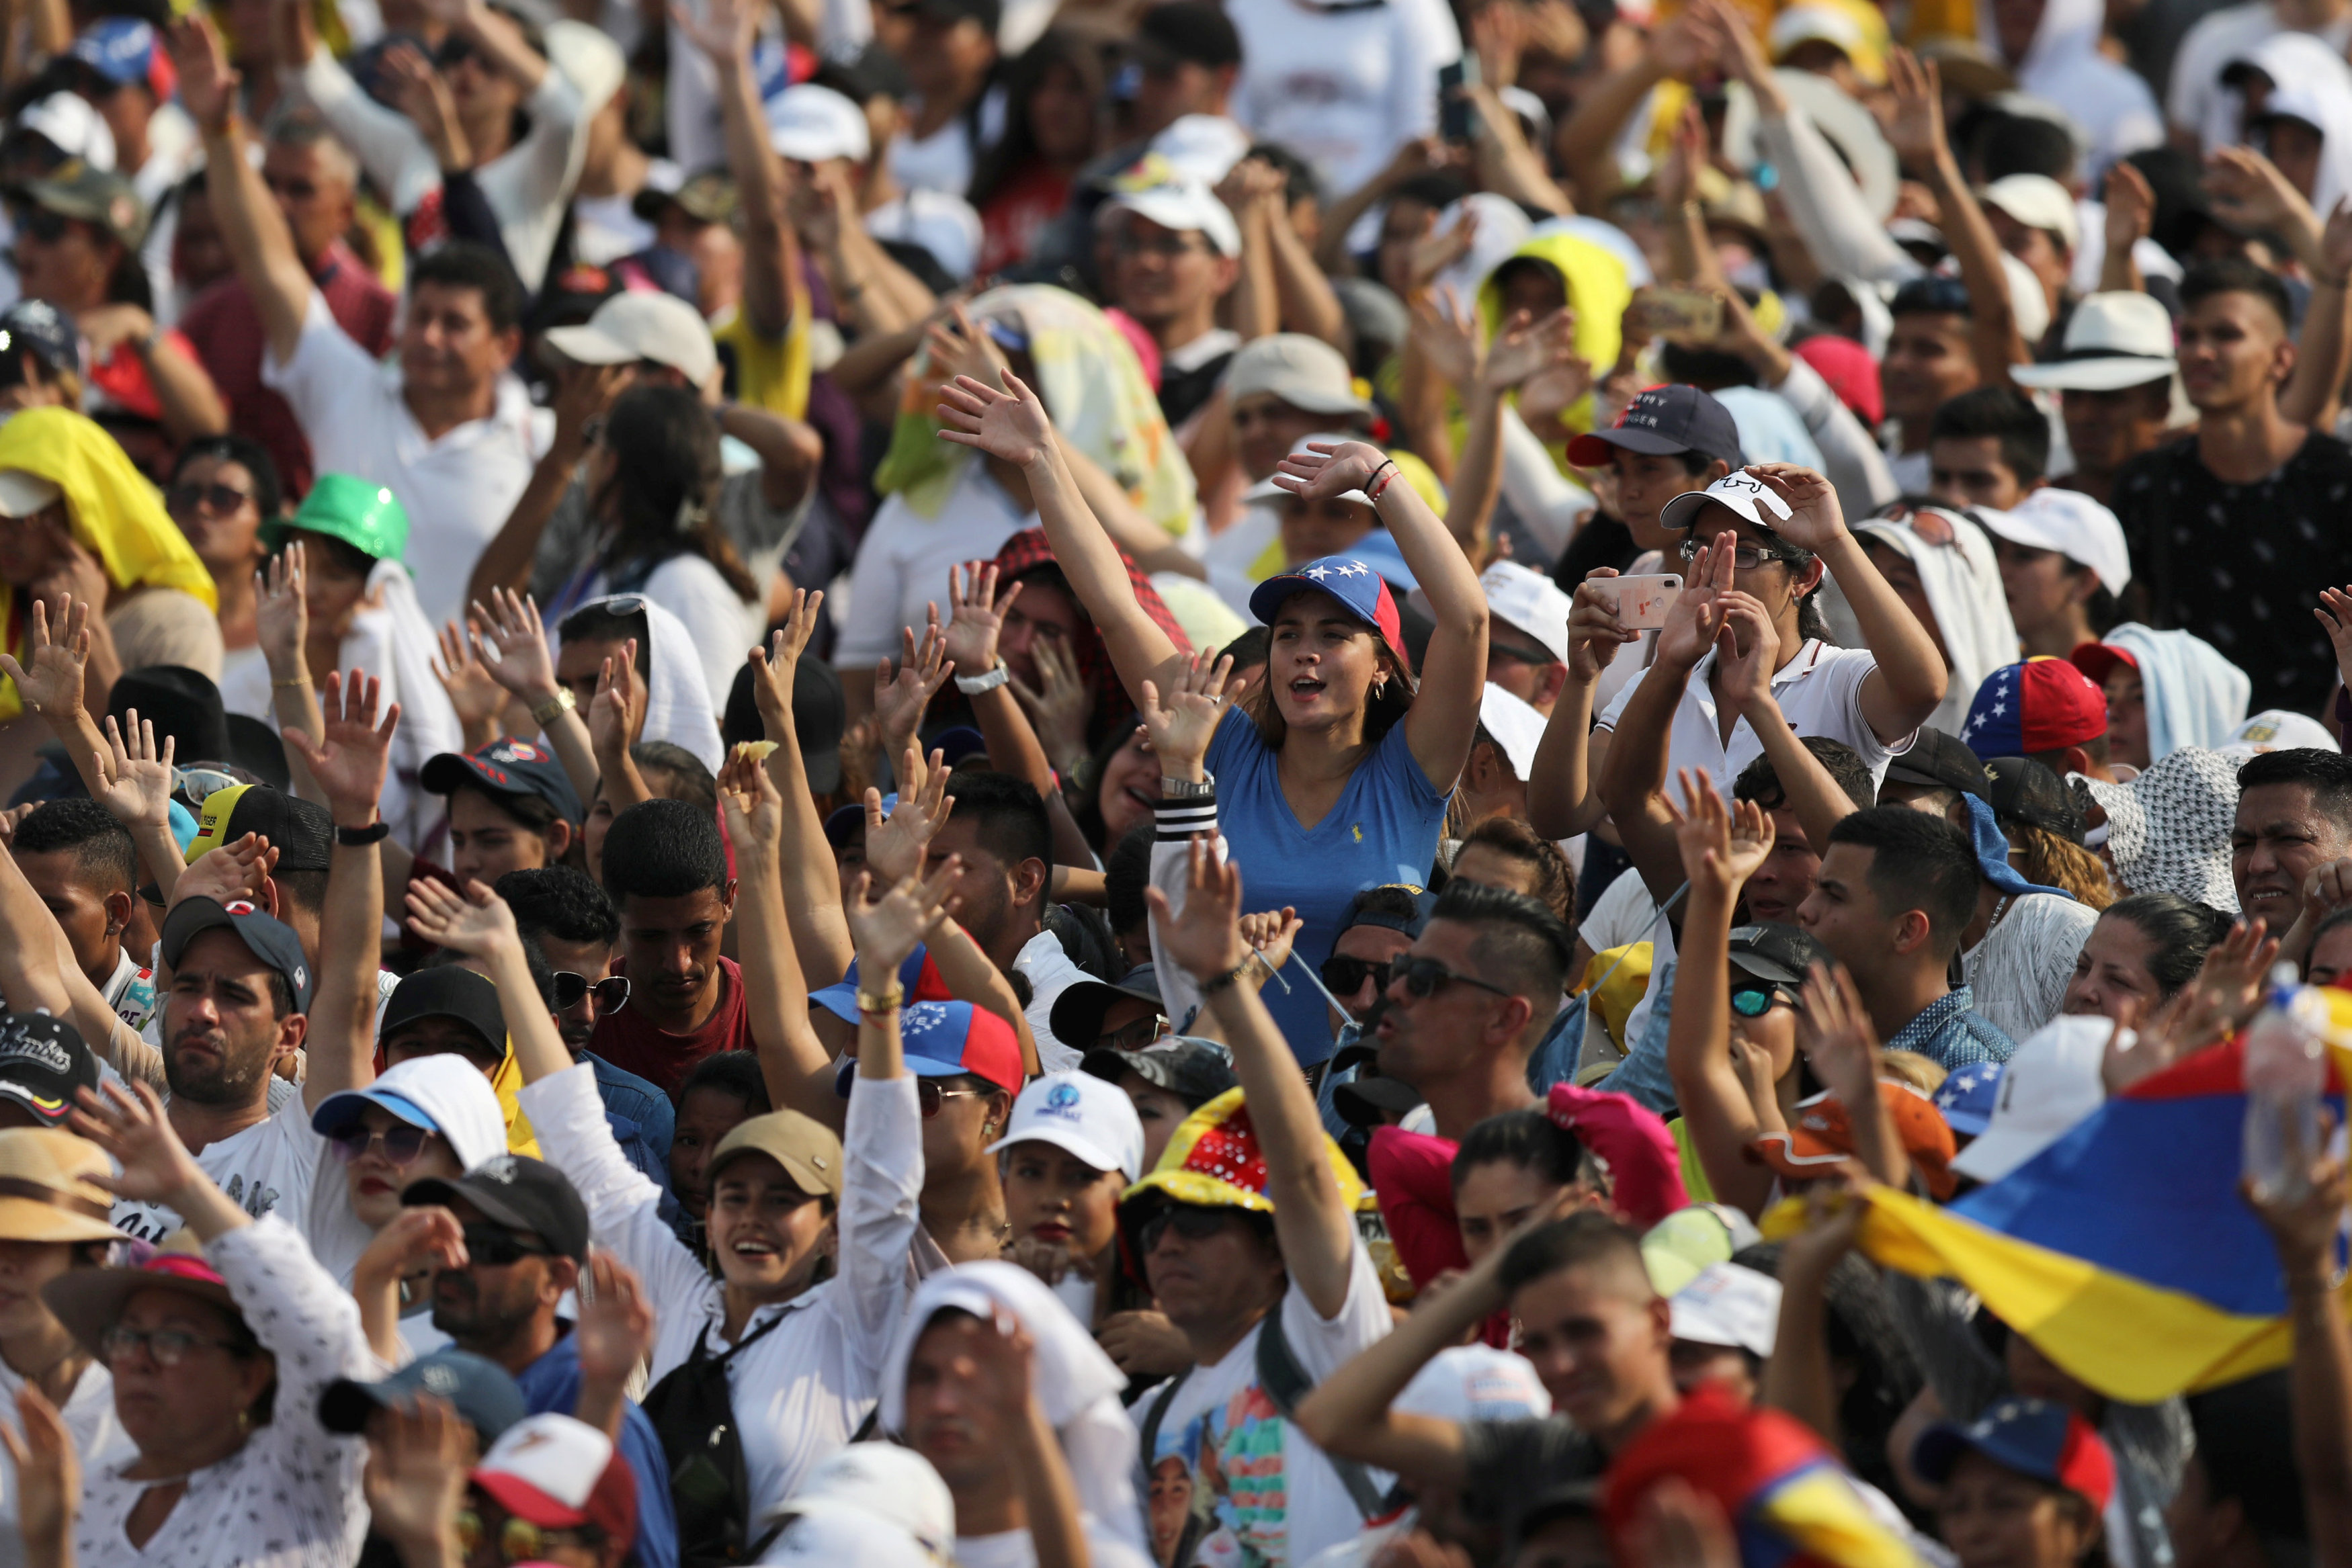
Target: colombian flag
2123 1250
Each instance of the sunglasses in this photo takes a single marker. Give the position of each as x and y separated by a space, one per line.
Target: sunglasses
1347 976
41 224
495 1247
400 1142
520 1541
931 1096
220 499
1133 1036
1754 1002
194 784
1192 1224
1746 557
611 993
1424 978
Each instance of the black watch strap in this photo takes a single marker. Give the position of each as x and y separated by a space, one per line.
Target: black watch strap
375 833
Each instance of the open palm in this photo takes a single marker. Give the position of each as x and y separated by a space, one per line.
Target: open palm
475 922
350 757
53 685
509 627
138 787
1011 424
889 927
1182 726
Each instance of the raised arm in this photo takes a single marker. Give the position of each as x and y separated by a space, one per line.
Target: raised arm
1012 426
56 685
1898 696
976 609
153 1166
1634 767
1443 717
481 925
2304 1227
1917 131
725 32
583 392
1563 788
140 797
251 225
811 885
349 760
511 639
796 1066
283 616
1311 1221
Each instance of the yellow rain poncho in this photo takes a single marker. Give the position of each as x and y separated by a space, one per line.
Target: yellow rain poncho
114 512
1599 290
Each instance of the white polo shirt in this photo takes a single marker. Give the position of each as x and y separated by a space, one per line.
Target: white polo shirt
1819 693
457 488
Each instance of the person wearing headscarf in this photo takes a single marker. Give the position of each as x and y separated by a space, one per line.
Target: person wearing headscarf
1942 567
944 504
72 504
2296 93
2168 830
2052 48
1049 611
361 603
679 708
2165 690
1553 269
936 1399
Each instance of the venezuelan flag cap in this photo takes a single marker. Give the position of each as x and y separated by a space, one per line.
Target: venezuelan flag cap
2033 1436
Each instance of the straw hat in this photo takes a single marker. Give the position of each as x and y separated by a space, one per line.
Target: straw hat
46 1190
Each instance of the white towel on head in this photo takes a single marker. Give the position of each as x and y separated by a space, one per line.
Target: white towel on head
1962 581
1076 1384
677 698
394 643
2194 695
465 1112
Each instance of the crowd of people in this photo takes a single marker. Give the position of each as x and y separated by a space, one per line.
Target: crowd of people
1160 784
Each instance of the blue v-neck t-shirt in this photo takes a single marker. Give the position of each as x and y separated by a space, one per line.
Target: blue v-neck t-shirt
1384 829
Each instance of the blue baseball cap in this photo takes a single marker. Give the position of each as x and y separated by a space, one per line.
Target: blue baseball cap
945 1039
120 49
842 820
506 767
1355 583
2036 1438
482 1391
919 977
1660 421
1966 1097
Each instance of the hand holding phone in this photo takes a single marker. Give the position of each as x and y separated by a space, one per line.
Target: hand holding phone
1642 603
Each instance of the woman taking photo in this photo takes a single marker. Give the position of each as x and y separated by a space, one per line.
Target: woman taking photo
1337 773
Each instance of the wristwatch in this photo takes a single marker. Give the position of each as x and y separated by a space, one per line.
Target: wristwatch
973 686
359 837
883 1001
1188 790
563 701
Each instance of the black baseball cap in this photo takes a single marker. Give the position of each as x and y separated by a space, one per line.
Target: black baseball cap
1773 951
1077 1014
1662 420
37 325
1940 761
987 13
1195 1071
520 1193
1934 294
181 703
1188 32
266 936
255 747
301 831
448 992
2027 791
43 1063
1368 1103
482 1391
508 768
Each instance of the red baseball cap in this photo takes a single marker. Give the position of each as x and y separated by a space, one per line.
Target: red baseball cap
2038 705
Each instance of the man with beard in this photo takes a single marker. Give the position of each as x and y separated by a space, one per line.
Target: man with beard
525 1248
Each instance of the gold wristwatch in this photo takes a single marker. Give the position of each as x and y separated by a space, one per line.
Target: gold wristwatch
561 702
885 1000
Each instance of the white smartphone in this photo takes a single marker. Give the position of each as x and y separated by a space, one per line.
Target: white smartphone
1642 601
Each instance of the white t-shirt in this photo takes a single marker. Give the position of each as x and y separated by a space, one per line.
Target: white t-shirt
245 683
1049 969
1819 693
1260 1491
1342 87
1014 1549
269 1168
2019 971
903 561
457 488
97 1437
1624 913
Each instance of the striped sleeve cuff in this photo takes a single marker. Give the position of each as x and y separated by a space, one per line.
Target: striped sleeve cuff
1180 819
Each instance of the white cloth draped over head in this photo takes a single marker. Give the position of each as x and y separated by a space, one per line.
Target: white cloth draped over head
2110 104
2194 695
1077 1386
1962 581
465 1112
677 698
2310 82
391 639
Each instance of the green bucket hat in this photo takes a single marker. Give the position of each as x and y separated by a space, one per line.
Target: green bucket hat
368 518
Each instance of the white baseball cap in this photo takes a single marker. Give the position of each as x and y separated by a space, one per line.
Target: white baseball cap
1729 1305
2114 340
1306 373
641 324
1202 147
2048 1086
878 1481
589 60
1742 492
1091 1117
833 1540
23 494
1515 725
2275 729
2038 202
1175 202
558 1473
1531 602
811 124
1477 1383
72 126
2071 522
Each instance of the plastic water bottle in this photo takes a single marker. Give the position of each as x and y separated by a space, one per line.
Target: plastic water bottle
2285 1073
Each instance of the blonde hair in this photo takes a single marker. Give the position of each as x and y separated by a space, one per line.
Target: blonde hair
2043 857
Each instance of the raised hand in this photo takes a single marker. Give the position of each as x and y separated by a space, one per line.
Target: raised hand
1746 676
238 869
754 808
888 928
1721 847
1834 1031
1697 617
139 791
52 689
1815 520
902 694
153 1165
1524 349
723 31
208 83
1439 249
1058 706
963 349
773 667
512 640
2131 206
1446 333
2251 194
49 1476
1206 940
1180 727
415 1477
2222 1000
1005 1362
415 1241
1011 424
618 707
1916 128
421 93
615 1331
2335 243
353 750
1329 468
477 922
894 847
976 615
1273 934
282 610
473 692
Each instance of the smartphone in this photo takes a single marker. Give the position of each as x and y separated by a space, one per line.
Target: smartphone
1642 601
1688 313
1452 107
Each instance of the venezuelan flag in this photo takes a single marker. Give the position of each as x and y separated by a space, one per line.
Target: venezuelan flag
2123 1250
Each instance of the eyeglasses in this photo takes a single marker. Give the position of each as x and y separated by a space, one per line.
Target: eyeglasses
1746 557
520 1541
1133 1036
495 1247
400 1142
1192 1224
932 1098
194 784
1347 976
1424 978
165 1347
611 992
41 224
1754 1002
222 499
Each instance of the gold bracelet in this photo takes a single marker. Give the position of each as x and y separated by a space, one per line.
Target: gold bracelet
295 684
886 1001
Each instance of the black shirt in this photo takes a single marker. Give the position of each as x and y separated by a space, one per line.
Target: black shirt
2242 565
1511 1464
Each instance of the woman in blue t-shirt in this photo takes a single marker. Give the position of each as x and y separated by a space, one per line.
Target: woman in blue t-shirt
1335 773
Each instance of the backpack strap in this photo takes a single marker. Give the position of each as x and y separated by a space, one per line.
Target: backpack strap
1285 1384
1149 1437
